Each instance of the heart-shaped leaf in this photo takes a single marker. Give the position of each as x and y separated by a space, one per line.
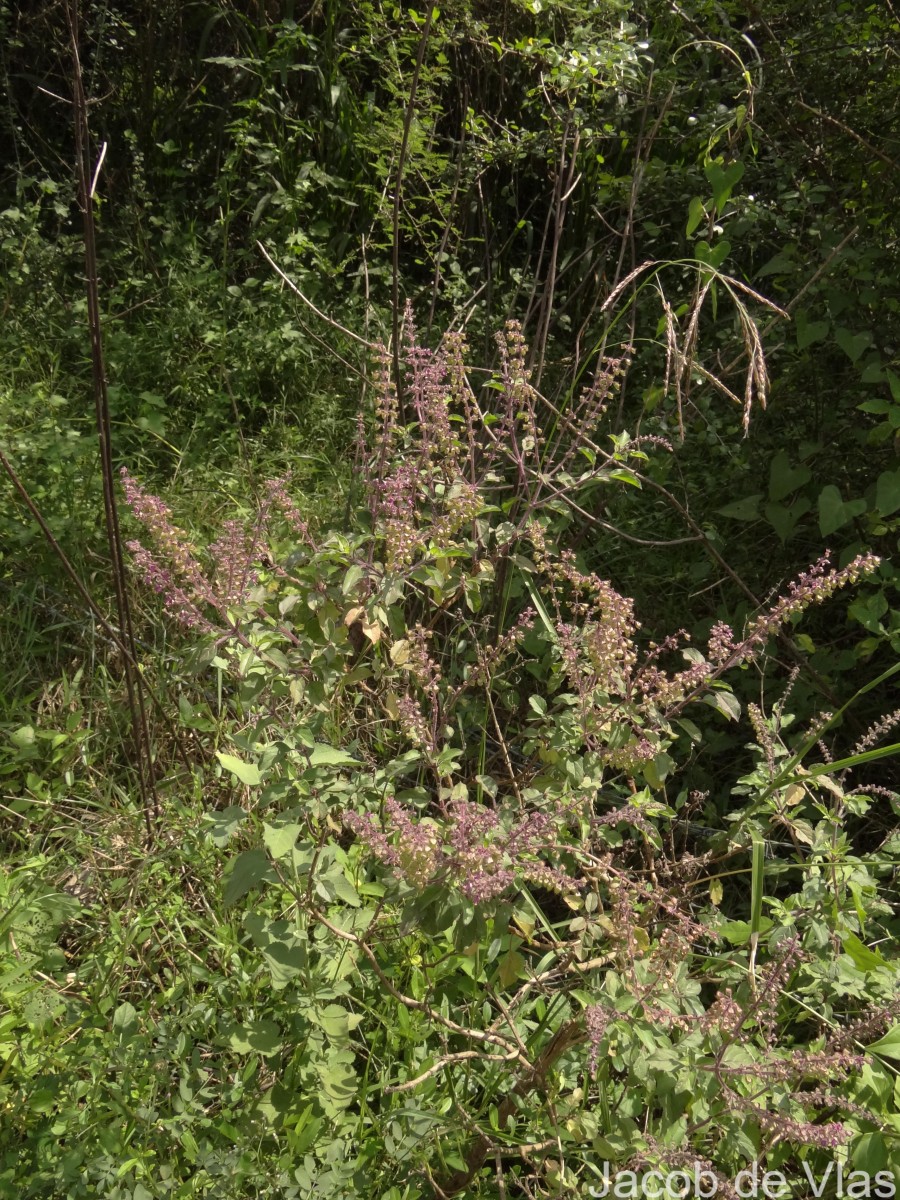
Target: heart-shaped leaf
784 479
712 256
809 332
854 345
722 180
784 520
834 511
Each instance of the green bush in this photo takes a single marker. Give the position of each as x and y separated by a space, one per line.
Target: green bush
503 943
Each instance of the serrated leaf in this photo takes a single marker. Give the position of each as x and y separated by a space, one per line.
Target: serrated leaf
247 773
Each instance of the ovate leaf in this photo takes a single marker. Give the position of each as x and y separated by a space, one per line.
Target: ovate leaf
328 756
696 214
887 492
889 1045
249 870
247 773
280 839
863 958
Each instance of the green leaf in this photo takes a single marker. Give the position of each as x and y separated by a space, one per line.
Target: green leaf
23 737
863 957
280 839
623 475
249 870
782 263
344 890
336 1022
512 964
257 1037
757 885
784 520
889 1045
854 345
869 610
834 511
784 479
338 1081
328 756
247 773
712 256
739 932
726 703
871 1154
887 492
225 823
351 579
722 180
284 950
696 214
742 510
809 332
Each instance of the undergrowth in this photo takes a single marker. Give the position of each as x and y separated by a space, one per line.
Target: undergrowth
432 907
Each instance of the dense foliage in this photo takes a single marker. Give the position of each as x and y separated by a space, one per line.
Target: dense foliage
492 779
